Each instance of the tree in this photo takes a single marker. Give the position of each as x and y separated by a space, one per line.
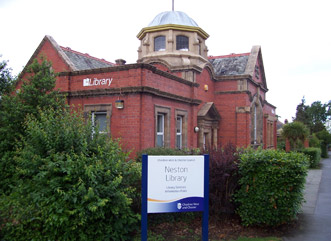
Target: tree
301 113
319 113
315 116
6 78
296 132
36 92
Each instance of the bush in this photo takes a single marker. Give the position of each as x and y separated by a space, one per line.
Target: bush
223 179
325 138
37 92
314 141
324 149
271 186
70 185
314 155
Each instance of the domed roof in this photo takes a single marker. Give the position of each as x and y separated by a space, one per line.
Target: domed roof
173 17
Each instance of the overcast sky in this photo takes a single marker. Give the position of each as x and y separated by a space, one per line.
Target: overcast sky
295 36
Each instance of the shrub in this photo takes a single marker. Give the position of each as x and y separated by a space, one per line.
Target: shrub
314 141
70 185
37 92
314 155
325 138
271 186
223 179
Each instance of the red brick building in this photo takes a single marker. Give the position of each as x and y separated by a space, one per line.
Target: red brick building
175 95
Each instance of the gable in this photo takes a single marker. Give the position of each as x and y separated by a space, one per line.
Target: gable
241 64
65 59
255 66
209 111
50 49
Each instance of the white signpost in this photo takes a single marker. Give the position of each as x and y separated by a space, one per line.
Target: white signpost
175 184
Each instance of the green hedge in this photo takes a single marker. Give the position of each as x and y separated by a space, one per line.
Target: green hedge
314 155
324 148
271 186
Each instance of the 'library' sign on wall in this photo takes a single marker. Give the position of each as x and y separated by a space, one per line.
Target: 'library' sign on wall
96 82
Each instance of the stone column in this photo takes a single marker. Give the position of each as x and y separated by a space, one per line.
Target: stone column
214 137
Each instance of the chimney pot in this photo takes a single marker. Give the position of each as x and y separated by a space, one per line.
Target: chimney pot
120 62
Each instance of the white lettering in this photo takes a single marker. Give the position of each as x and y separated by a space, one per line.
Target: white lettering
96 82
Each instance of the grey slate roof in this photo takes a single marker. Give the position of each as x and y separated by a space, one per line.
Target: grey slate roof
232 65
84 61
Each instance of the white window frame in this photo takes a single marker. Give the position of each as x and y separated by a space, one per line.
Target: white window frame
165 111
179 144
161 132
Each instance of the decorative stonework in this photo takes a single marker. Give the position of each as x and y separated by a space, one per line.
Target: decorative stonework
194 57
243 109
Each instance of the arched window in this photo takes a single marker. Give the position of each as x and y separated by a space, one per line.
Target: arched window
159 43
256 123
181 43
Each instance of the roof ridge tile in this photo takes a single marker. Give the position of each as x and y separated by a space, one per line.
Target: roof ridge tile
228 56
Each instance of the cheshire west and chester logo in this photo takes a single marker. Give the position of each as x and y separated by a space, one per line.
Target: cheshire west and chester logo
179 205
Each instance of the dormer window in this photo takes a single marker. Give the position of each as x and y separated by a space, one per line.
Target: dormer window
159 43
181 43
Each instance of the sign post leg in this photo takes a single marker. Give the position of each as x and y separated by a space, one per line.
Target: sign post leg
206 200
144 199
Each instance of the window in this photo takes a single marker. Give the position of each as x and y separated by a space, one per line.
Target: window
182 43
162 126
160 130
181 128
179 132
100 116
159 43
270 133
256 123
99 119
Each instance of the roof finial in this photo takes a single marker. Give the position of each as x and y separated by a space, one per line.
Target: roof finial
173 5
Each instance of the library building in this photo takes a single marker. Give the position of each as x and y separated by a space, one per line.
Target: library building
175 95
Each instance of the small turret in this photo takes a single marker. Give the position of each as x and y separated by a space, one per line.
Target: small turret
175 40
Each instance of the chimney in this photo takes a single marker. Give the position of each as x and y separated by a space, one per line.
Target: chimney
120 62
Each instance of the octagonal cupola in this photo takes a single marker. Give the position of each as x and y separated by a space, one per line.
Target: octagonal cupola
174 39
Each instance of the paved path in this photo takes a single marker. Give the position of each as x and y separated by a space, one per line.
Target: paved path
315 219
